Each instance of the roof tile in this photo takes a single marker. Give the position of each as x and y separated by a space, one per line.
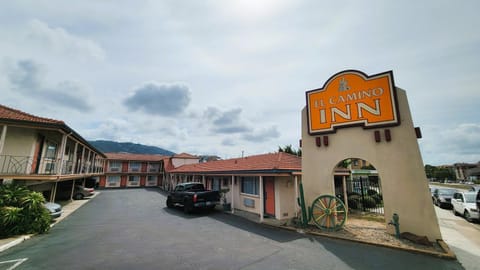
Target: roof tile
271 161
17 115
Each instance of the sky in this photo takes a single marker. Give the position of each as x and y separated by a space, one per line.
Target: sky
229 77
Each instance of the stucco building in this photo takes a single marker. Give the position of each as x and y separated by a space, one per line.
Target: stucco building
43 153
266 184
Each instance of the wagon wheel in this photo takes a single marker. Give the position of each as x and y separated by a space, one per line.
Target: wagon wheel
329 212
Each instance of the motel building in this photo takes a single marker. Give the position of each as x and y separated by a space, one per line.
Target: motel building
124 170
265 185
45 154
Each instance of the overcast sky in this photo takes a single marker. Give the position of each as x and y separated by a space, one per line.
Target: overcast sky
222 77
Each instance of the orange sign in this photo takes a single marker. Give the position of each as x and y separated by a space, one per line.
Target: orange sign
351 98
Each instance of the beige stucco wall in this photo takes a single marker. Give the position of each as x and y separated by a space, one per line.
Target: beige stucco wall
285 198
19 141
398 162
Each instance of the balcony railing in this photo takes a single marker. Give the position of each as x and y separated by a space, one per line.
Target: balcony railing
25 165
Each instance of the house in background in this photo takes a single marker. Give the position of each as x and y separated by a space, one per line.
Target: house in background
265 185
44 153
132 170
173 162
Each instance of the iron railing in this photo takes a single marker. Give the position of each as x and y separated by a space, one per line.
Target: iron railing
25 165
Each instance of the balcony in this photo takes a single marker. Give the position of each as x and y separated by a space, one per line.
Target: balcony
27 165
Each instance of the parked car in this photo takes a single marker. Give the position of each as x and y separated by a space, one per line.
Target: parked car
79 192
442 197
54 209
193 195
464 203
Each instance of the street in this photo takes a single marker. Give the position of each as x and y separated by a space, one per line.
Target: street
462 236
133 229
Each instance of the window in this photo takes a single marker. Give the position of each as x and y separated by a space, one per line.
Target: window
134 166
250 185
51 150
153 167
151 180
114 166
133 181
113 181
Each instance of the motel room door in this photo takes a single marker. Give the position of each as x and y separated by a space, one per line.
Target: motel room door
269 196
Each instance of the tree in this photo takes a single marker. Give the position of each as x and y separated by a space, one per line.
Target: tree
290 150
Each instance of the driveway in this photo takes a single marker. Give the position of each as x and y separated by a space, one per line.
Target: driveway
133 229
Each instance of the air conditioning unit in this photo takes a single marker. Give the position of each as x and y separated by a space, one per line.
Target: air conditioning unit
115 169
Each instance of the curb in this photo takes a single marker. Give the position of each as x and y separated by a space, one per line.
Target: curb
448 253
15 242
19 239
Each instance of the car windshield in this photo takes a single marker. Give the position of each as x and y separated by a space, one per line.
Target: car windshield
446 191
470 197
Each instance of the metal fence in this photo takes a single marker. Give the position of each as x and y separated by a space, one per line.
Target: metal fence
364 193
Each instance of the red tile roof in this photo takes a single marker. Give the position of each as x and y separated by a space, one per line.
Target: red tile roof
7 113
134 157
266 162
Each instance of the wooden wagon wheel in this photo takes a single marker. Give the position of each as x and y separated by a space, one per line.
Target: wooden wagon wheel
328 212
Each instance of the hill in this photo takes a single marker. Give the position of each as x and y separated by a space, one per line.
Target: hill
128 147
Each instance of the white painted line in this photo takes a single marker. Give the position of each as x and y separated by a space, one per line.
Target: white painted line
17 263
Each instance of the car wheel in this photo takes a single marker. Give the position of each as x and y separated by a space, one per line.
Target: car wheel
467 216
169 203
187 207
78 196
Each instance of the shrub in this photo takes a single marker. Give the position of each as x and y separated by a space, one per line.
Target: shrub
22 211
378 198
354 201
371 192
369 202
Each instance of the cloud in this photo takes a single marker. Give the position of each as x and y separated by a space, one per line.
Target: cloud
444 145
60 41
262 135
26 77
227 122
159 99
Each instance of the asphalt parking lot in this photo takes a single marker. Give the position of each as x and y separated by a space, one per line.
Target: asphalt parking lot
133 229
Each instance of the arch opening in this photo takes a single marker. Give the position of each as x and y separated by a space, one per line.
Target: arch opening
358 184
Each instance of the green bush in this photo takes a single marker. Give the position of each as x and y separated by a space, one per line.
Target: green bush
378 198
369 202
22 211
371 192
354 201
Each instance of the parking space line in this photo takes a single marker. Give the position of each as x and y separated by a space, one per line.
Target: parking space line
16 262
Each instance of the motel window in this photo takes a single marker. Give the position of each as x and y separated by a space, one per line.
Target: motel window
134 166
114 166
250 185
151 180
113 181
133 180
153 167
51 150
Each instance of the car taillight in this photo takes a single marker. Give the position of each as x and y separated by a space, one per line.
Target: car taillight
195 198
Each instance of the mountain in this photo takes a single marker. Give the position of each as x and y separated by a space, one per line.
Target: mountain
128 147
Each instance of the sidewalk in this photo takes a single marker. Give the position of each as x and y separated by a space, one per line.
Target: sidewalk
361 231
67 210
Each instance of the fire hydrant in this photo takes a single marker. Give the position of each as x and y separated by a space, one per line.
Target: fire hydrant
395 222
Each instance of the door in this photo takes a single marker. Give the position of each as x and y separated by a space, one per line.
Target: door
269 196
